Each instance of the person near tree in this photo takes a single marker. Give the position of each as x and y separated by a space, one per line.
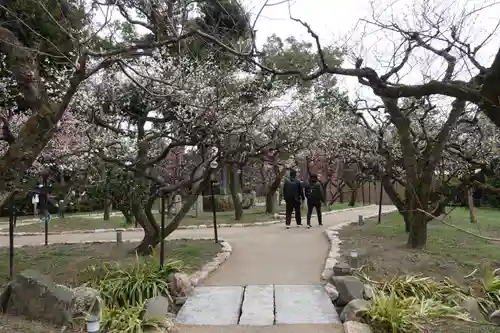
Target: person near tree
293 193
315 196
43 204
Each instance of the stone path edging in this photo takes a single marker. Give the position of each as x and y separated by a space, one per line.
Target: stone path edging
98 231
200 226
332 235
199 276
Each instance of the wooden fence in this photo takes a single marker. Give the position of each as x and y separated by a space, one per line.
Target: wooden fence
368 194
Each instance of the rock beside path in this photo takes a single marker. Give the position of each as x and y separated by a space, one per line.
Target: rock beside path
356 327
180 287
349 288
37 297
354 310
495 317
156 308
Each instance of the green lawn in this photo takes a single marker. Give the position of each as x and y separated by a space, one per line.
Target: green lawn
337 206
449 252
5 220
255 214
74 223
65 262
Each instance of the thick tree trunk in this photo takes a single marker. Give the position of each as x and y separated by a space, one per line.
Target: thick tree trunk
106 208
148 243
152 232
341 194
124 206
233 188
408 216
363 193
470 206
272 191
354 194
241 178
417 237
129 218
270 202
40 127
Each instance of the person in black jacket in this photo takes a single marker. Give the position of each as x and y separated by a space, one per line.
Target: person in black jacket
315 196
293 193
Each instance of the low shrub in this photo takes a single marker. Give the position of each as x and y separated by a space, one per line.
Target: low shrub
403 304
128 320
392 313
124 289
488 293
447 291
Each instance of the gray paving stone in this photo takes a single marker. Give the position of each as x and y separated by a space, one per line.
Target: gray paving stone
212 306
258 306
304 304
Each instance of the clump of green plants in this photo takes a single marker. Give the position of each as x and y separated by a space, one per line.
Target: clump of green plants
129 285
124 289
488 291
392 313
128 320
446 292
403 304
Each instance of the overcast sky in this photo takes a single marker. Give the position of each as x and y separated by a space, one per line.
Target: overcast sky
331 20
339 23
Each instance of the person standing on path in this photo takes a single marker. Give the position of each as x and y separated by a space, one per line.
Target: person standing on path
293 194
315 196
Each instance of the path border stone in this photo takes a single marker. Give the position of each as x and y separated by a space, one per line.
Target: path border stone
182 227
332 235
201 275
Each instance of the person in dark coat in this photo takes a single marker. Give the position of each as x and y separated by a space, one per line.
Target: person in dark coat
315 196
43 204
293 193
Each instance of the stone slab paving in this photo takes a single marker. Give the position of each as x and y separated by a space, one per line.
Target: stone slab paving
320 328
258 306
307 304
212 306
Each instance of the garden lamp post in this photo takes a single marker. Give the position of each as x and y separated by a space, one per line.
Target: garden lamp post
380 200
162 217
44 190
213 166
12 224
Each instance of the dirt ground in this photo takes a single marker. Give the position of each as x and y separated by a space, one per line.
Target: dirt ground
10 324
449 253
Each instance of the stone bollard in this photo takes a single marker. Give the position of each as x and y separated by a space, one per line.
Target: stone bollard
119 236
93 324
361 221
353 259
